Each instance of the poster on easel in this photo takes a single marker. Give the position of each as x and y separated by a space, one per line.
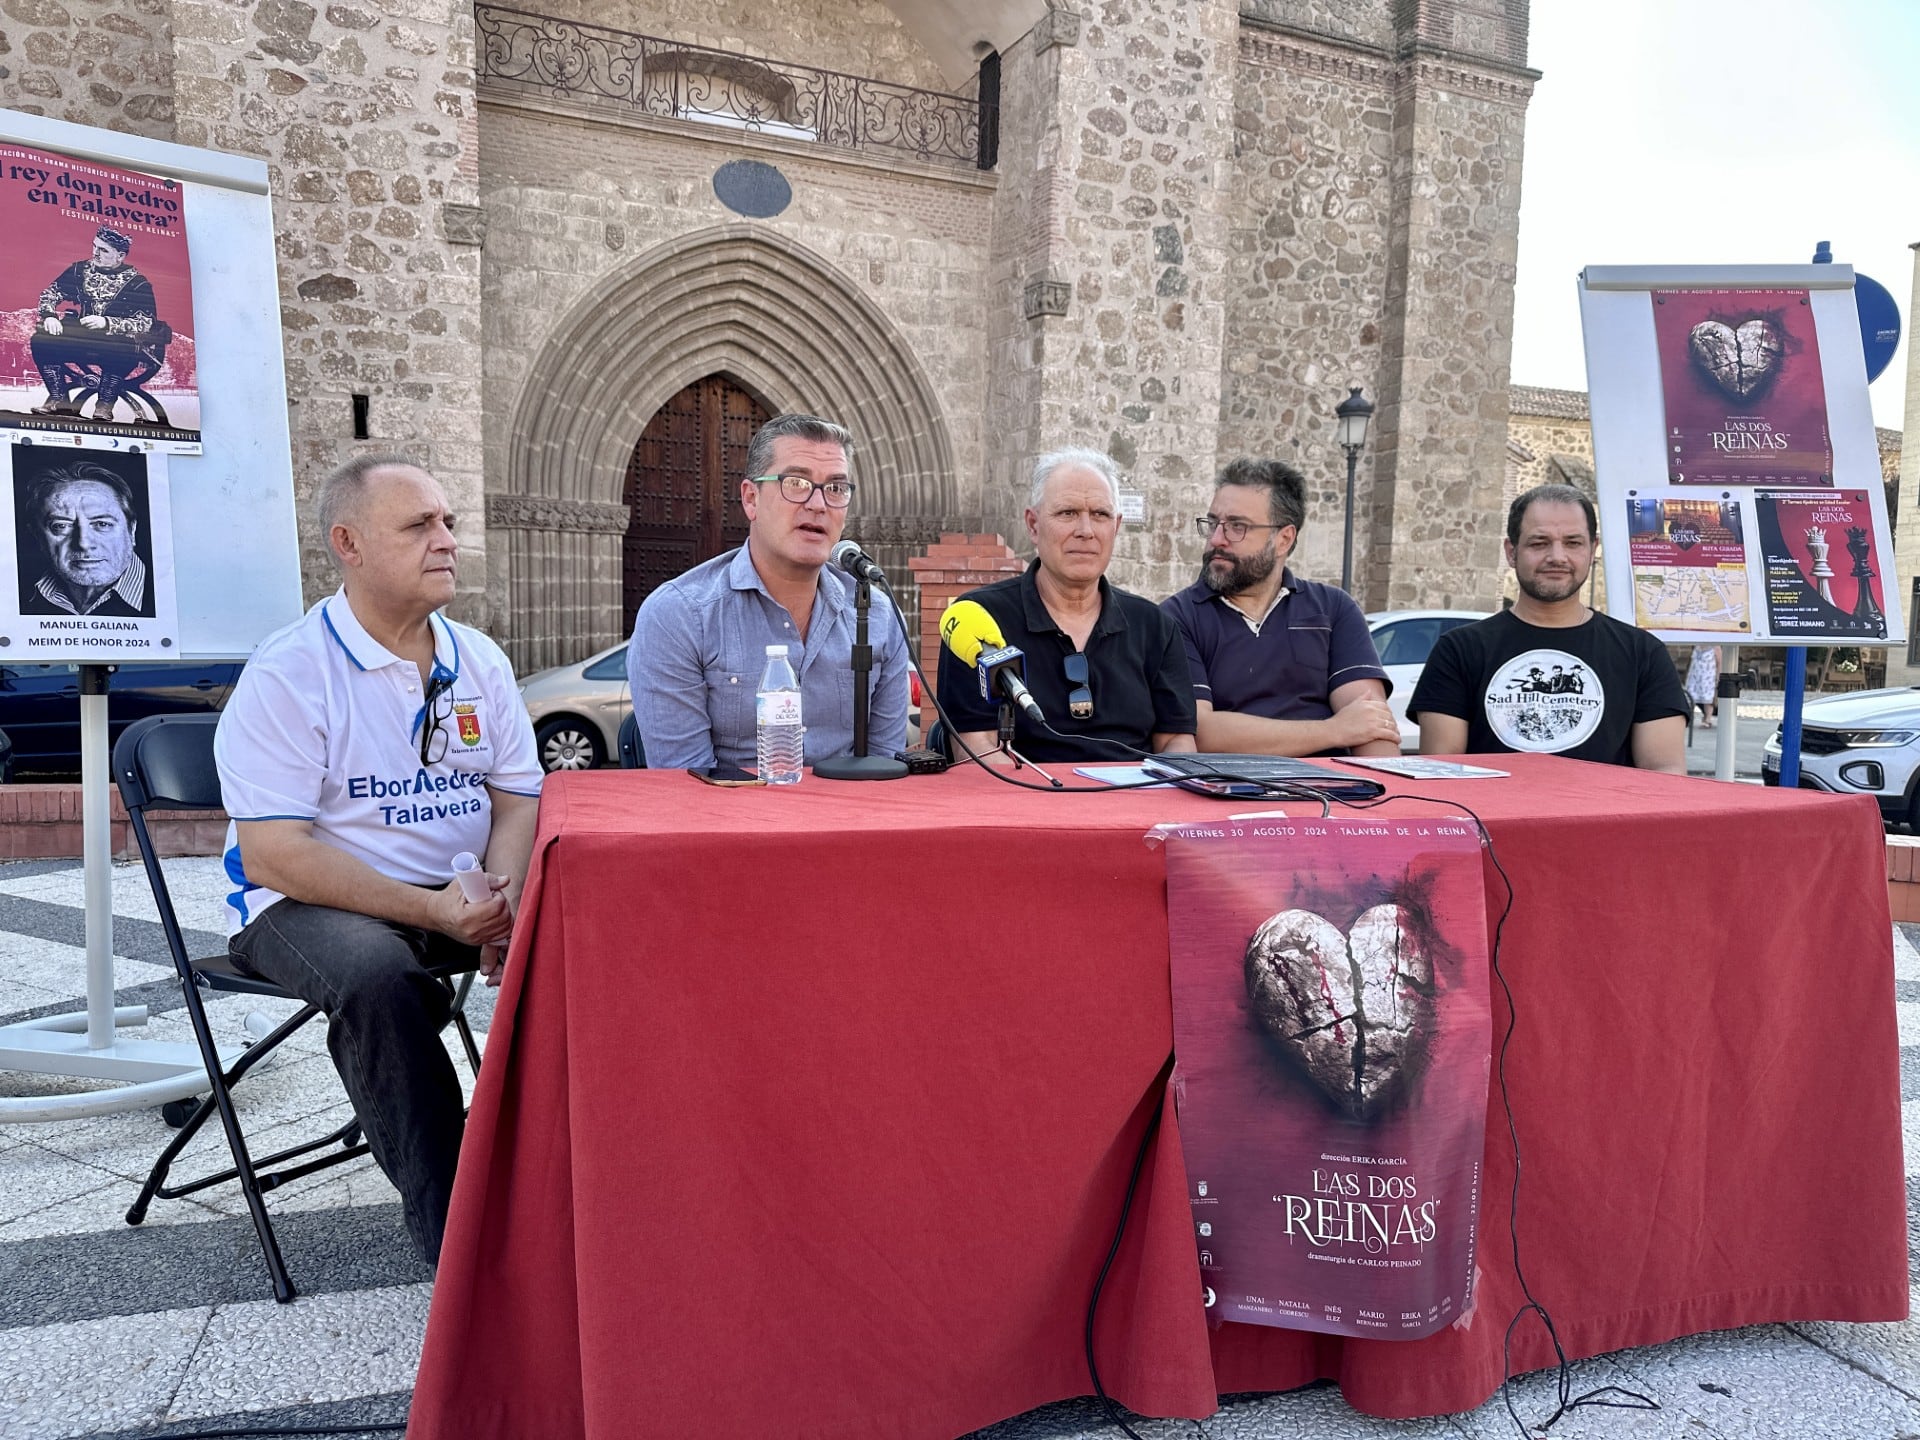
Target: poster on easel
1739 478
97 333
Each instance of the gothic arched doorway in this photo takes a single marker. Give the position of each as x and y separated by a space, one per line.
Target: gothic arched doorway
683 485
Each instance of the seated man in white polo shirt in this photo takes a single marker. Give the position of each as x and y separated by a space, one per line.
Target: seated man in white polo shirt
365 746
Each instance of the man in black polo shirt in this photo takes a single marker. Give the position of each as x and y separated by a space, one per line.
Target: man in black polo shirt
1105 666
1280 666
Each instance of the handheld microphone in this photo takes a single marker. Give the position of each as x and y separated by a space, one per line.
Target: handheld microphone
856 562
973 636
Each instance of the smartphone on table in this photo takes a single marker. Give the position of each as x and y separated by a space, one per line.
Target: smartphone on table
726 775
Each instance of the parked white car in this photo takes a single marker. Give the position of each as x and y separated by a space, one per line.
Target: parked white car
577 710
1865 744
1404 639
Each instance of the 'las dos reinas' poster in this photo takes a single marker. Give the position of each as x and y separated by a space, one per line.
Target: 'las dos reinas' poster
1331 1022
1745 400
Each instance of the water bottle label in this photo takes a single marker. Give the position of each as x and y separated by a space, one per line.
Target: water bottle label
780 707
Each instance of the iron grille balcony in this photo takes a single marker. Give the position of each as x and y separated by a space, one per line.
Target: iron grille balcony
677 81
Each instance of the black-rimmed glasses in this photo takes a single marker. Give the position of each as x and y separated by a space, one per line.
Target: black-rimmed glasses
433 736
1080 698
1236 530
799 489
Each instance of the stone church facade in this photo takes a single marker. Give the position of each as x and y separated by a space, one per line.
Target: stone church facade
570 259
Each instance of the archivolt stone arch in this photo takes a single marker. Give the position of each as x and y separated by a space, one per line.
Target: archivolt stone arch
735 300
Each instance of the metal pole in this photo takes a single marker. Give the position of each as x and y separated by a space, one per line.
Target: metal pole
96 846
1727 698
1790 718
1346 554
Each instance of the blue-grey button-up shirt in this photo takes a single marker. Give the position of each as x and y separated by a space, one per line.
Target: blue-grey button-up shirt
699 648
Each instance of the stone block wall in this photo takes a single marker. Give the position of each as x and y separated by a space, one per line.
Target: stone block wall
1120 253
94 62
1312 201
365 117
1439 447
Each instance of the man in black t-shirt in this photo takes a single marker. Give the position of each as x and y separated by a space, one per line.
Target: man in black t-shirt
1550 675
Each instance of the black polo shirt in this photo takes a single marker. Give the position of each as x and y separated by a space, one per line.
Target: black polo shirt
1313 641
1136 668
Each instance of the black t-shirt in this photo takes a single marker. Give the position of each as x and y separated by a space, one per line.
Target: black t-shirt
1136 669
1576 692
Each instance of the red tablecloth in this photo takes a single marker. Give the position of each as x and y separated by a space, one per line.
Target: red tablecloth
809 1112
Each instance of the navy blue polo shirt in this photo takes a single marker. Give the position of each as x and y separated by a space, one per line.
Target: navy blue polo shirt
1135 668
1313 641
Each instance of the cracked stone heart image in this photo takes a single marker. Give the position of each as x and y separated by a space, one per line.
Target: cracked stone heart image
1353 1011
1739 359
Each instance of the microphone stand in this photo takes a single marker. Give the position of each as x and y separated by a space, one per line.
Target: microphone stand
1005 747
860 765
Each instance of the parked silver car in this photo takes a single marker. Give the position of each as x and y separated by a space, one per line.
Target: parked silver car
577 710
1865 744
1404 639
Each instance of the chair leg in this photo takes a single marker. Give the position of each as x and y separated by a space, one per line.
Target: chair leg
460 1020
222 1099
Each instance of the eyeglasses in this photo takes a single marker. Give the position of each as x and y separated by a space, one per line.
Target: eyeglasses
1080 698
1236 529
433 739
799 489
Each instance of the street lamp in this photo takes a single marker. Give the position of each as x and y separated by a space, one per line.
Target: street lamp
1351 417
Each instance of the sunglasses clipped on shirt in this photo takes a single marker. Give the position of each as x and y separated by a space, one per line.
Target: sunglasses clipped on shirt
1080 698
799 489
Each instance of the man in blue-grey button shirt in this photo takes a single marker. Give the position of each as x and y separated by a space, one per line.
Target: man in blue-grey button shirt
700 641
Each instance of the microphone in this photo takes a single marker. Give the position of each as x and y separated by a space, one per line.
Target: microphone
973 636
856 562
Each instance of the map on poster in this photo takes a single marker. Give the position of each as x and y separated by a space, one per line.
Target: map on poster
1689 565
96 304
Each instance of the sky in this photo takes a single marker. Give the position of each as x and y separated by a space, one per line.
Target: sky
1715 132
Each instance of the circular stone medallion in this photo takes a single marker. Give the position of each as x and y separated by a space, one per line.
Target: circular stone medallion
752 188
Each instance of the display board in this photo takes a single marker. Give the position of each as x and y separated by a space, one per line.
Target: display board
1739 483
148 508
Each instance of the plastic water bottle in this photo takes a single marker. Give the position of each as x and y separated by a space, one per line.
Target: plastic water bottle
781 736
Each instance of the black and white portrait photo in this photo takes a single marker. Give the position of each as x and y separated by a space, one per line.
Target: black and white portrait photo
83 533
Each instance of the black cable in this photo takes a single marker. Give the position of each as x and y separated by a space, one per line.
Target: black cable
1565 1401
1126 1205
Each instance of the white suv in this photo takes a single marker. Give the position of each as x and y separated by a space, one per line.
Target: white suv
1865 744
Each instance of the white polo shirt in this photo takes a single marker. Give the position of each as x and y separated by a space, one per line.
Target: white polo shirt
324 725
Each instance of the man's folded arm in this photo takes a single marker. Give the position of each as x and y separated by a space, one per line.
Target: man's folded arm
669 685
285 855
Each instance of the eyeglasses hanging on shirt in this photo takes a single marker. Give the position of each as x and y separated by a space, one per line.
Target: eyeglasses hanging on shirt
799 489
433 717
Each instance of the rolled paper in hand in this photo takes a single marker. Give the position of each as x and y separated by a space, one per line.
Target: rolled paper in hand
473 880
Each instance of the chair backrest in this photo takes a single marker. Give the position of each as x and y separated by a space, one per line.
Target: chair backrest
633 755
167 760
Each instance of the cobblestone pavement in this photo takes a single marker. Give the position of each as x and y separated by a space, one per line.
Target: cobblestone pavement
111 1331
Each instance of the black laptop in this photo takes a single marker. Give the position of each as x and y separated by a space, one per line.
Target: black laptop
1259 775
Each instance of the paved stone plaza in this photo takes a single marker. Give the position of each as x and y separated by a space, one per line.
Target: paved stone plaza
111 1331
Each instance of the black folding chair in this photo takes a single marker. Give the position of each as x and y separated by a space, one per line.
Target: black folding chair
166 762
633 755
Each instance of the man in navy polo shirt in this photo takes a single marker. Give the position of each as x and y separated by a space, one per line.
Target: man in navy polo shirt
1280 666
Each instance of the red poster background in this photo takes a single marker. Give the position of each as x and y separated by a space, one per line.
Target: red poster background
1795 611
1705 422
39 240
1264 1149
